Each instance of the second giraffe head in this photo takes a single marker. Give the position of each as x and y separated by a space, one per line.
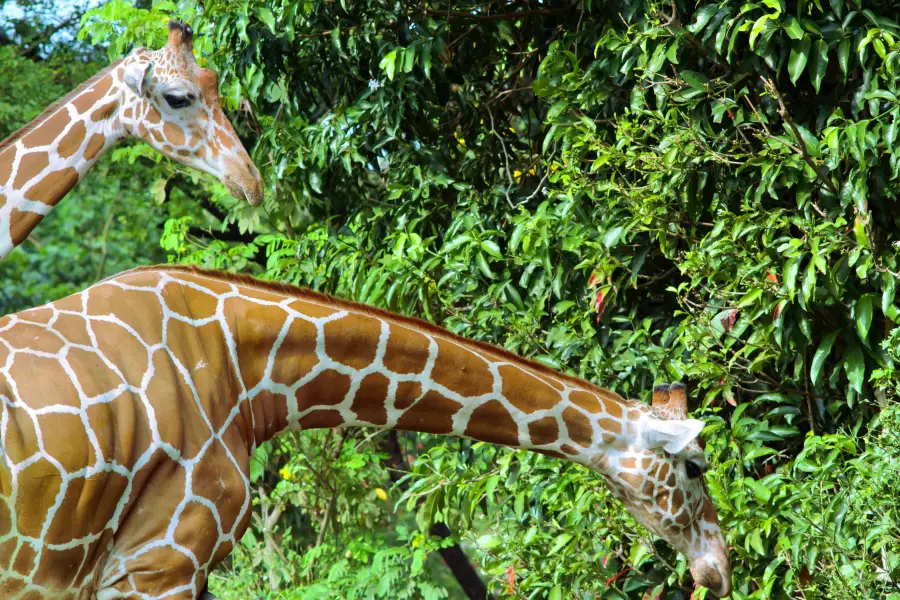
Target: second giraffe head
173 104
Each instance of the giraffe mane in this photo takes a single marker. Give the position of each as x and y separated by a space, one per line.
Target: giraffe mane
50 110
424 326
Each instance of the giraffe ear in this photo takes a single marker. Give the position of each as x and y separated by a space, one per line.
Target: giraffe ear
136 75
672 436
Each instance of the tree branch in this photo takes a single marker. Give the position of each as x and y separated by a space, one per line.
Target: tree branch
804 152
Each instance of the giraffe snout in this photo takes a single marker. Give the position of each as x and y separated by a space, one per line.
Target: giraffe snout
713 573
244 182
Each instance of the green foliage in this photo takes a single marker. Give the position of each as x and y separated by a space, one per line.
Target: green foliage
635 192
362 552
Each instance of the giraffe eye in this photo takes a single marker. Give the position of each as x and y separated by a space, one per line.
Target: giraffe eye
692 469
177 101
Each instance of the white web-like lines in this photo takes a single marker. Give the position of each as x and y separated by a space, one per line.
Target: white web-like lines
16 198
165 286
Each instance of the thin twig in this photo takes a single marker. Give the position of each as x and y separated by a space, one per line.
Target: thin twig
671 18
804 153
505 157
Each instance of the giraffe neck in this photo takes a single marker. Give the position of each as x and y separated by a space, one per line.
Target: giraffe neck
43 161
315 362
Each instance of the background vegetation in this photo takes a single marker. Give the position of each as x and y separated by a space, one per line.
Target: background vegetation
634 191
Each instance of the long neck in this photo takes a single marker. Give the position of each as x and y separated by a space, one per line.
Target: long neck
41 162
314 363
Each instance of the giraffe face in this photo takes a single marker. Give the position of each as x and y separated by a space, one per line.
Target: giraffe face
173 105
658 474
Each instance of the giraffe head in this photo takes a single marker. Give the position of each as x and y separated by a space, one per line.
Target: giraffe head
173 105
658 475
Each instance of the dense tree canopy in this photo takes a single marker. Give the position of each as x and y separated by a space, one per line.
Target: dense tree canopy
633 191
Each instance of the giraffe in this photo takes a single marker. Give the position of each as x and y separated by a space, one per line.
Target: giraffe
129 413
161 97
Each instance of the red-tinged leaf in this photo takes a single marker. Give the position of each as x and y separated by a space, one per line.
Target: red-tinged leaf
593 280
772 277
605 560
728 320
616 577
777 312
410 458
600 304
730 399
511 579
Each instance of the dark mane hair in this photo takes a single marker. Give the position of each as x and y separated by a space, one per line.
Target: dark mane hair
304 293
47 112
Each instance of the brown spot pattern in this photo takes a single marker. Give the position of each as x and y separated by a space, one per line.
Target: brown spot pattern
433 414
94 146
461 370
71 142
580 430
543 431
30 166
51 188
406 352
526 392
491 422
354 346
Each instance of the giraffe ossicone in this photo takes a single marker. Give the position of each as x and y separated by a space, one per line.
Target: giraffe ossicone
162 97
129 412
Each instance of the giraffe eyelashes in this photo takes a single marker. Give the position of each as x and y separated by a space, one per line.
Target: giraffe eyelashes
178 101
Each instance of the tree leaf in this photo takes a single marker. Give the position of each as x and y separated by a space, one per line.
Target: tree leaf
844 55
819 63
822 352
483 266
854 364
793 28
790 274
265 15
863 311
702 17
491 248
798 58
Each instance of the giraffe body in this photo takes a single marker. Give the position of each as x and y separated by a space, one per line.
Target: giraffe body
129 412
133 97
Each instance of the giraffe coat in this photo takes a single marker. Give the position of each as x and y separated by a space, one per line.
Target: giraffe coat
43 161
129 412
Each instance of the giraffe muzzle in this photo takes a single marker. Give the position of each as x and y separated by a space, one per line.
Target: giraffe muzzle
246 184
709 573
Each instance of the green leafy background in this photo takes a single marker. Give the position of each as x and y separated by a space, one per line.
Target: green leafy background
631 191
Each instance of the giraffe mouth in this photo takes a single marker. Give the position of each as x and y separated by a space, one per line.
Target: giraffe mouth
250 189
709 574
